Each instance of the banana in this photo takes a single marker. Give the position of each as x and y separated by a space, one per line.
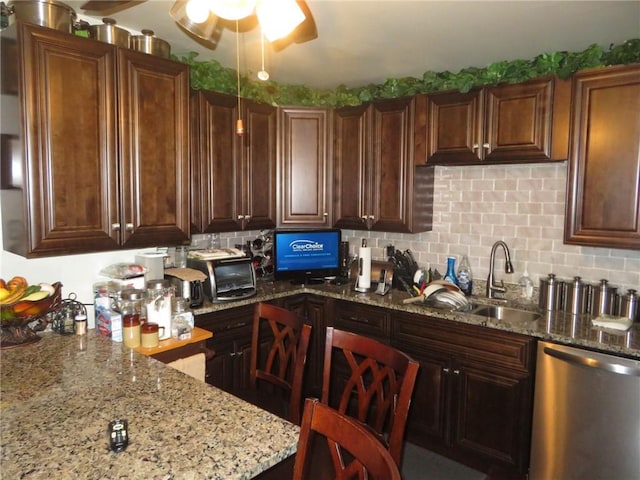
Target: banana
17 287
4 293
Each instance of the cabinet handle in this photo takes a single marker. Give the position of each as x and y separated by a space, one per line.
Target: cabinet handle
475 146
115 226
240 217
446 370
232 354
237 325
129 227
486 145
359 319
456 372
372 217
247 217
364 218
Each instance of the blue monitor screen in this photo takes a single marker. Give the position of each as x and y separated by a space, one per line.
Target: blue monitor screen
306 254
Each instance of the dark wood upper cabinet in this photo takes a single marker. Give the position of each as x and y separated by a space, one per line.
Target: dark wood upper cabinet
304 167
508 123
234 176
376 185
97 158
603 184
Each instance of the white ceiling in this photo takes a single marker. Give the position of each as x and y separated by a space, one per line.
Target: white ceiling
362 41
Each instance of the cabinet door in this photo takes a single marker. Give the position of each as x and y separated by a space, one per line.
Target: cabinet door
69 106
518 121
304 168
490 422
454 125
154 149
259 166
430 416
351 175
218 163
391 186
603 185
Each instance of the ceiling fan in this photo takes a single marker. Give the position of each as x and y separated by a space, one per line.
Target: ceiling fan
209 29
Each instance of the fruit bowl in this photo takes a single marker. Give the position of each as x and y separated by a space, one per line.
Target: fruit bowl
15 318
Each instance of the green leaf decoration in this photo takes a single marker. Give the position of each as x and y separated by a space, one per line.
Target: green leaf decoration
211 75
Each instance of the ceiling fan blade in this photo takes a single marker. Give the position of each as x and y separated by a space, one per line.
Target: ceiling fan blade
109 6
304 32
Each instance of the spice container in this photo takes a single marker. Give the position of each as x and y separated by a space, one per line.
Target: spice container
149 335
131 331
80 323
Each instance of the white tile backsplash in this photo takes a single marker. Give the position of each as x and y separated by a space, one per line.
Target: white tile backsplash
521 204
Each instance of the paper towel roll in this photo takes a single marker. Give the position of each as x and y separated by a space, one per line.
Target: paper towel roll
364 267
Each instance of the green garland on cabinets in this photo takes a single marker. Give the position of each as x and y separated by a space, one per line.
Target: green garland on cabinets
210 75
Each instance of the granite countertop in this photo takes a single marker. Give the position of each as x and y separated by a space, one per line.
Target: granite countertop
57 397
559 327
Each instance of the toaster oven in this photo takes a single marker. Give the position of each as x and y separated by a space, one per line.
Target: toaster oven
227 279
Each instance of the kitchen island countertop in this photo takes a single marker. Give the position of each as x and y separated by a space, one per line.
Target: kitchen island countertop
57 397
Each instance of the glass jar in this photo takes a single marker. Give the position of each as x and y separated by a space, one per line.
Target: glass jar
131 308
181 319
160 295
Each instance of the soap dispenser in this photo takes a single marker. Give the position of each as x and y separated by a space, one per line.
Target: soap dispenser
526 285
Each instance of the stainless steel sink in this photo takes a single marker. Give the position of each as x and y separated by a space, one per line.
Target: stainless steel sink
500 312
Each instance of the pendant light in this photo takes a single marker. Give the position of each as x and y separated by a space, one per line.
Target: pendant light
239 123
262 74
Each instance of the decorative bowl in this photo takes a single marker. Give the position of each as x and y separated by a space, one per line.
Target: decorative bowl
16 319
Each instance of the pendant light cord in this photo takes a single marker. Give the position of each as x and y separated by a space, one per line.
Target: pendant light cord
238 67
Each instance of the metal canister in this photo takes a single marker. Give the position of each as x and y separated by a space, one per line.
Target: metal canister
150 44
575 300
109 33
603 298
551 293
629 305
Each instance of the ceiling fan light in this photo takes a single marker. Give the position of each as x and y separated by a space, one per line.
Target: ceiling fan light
232 9
278 18
197 10
206 29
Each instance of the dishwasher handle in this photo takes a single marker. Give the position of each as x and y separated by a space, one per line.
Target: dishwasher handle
591 362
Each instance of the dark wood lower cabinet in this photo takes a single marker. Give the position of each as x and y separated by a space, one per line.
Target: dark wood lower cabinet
473 399
474 392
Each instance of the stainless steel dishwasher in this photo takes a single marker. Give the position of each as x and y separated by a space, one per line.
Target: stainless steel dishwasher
586 418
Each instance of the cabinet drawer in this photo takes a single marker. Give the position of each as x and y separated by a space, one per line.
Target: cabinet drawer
363 319
492 347
235 321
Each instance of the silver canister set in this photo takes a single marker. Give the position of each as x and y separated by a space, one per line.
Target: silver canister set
59 16
577 297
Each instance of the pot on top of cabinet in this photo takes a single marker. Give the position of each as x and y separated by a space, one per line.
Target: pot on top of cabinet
148 43
109 33
47 13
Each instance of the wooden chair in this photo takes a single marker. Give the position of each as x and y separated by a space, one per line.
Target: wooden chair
351 450
370 381
279 344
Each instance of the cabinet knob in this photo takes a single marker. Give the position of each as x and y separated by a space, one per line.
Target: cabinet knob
486 145
115 226
372 217
129 227
240 217
456 372
446 370
247 217
475 146
325 214
364 218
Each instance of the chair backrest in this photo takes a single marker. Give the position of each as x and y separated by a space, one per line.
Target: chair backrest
281 361
372 382
353 450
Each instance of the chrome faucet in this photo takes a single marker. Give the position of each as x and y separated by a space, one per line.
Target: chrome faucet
508 268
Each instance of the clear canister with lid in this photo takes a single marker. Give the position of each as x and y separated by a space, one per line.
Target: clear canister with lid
131 308
181 319
160 295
